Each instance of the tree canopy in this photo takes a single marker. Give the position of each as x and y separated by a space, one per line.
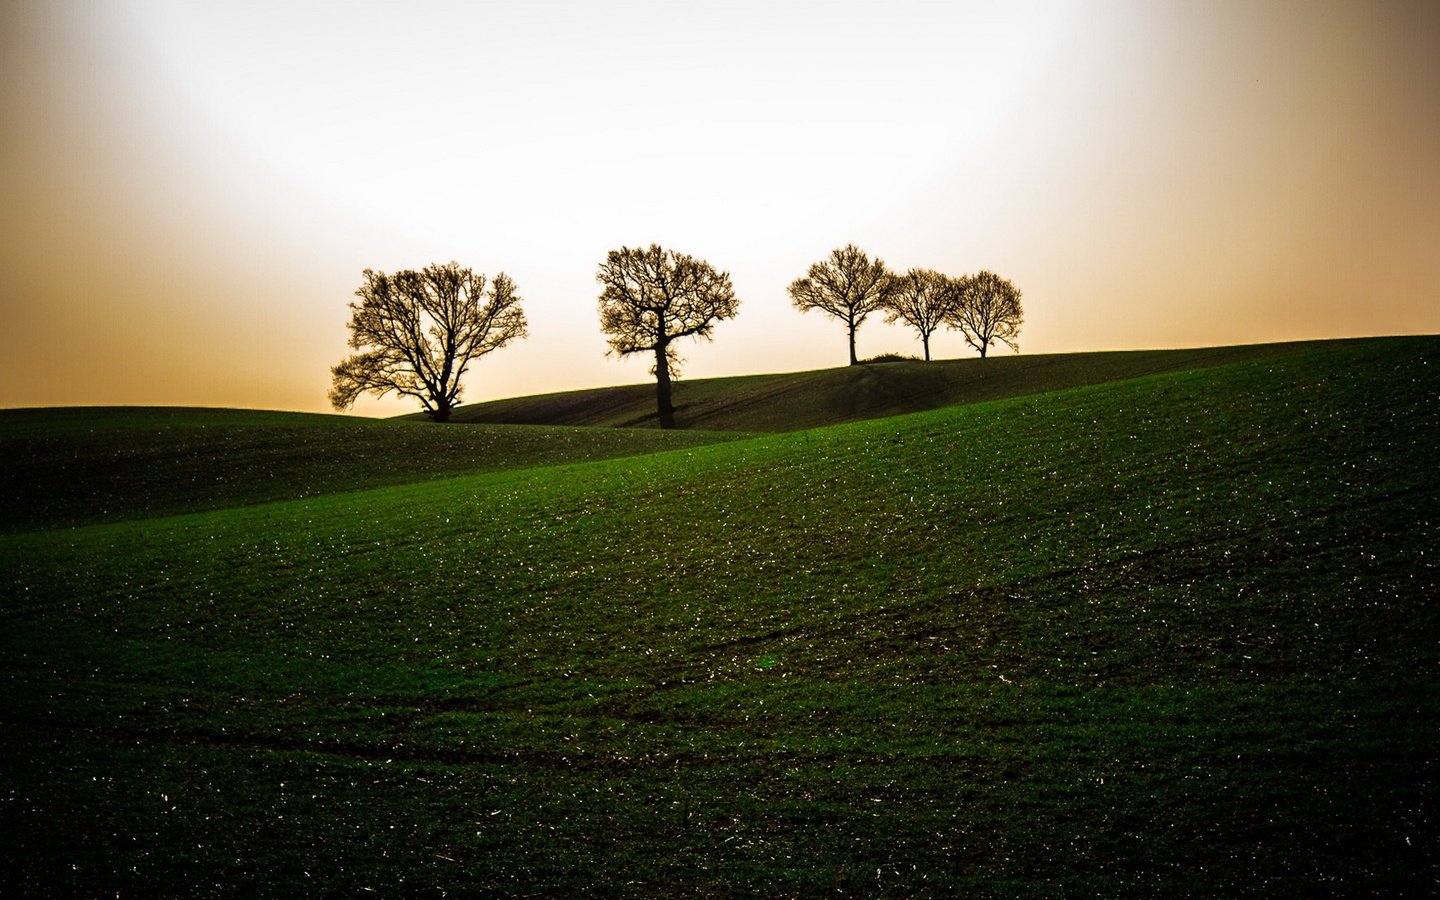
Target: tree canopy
651 298
417 333
989 311
848 285
925 300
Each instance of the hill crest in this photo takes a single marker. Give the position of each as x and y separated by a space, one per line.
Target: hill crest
811 399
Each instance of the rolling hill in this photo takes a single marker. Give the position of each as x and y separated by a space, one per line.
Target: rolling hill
73 466
798 400
1165 636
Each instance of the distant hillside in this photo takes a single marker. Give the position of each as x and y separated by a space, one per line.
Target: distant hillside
797 400
81 465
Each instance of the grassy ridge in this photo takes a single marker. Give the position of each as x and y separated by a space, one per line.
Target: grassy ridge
797 400
1167 636
72 466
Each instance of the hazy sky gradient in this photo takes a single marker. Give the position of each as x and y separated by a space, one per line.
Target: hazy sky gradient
190 191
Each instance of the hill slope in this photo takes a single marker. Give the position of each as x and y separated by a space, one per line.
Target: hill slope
1173 635
72 466
797 400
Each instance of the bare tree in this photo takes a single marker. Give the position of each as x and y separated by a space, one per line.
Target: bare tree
925 300
848 285
989 311
651 299
419 331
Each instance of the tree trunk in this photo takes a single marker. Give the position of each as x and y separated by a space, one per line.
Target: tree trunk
853 360
664 407
925 342
441 412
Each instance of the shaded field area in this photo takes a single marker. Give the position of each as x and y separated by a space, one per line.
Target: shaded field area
74 466
798 400
1174 635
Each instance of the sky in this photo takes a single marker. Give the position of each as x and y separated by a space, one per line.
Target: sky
189 192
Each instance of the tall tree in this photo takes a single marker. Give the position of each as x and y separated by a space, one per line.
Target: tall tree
419 331
653 297
848 285
989 311
925 300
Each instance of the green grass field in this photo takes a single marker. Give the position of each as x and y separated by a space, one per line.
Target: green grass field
1172 635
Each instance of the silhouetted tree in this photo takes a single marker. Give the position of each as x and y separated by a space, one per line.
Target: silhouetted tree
848 285
418 332
989 311
925 300
651 299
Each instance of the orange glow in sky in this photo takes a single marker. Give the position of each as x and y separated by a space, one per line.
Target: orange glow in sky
190 191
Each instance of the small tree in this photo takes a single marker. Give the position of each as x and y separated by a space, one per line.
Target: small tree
652 298
419 331
989 311
925 300
848 285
